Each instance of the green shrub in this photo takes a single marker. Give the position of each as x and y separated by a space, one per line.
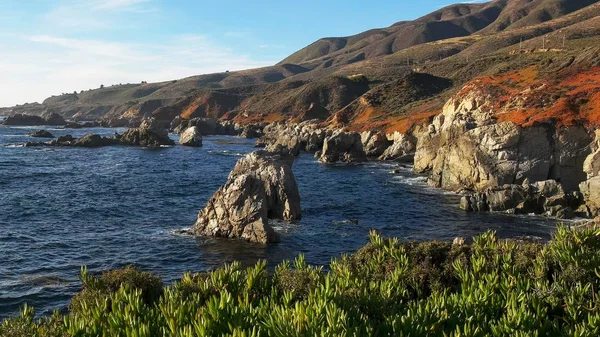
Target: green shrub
491 287
99 289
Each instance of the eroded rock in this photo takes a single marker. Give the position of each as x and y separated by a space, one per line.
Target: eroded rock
590 188
402 148
374 143
306 136
261 186
151 133
41 134
544 197
343 146
191 137
466 148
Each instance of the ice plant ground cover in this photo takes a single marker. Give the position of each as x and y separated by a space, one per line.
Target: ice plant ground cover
490 287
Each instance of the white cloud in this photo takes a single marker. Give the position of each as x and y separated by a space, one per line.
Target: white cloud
78 44
36 67
97 14
117 4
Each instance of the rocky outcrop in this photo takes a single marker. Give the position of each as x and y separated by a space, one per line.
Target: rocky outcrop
151 133
260 187
402 149
88 140
29 120
54 119
41 134
544 197
81 125
191 137
374 143
465 148
343 146
94 140
306 136
252 130
206 126
590 188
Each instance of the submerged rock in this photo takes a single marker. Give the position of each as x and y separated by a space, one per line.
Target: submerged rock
151 133
41 134
191 137
261 186
343 146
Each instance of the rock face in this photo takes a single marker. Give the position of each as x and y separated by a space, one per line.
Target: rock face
260 187
150 133
544 197
191 137
305 136
465 148
402 149
19 119
374 143
590 188
41 134
343 146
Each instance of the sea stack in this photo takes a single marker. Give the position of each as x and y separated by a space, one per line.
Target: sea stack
261 186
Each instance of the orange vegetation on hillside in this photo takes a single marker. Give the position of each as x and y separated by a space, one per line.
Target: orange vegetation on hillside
524 98
406 123
190 109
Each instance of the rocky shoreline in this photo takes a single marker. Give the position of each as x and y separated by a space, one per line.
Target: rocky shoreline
545 168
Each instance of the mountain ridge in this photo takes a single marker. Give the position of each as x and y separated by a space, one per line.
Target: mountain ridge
456 44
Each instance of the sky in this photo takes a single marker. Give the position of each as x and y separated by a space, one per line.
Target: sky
48 47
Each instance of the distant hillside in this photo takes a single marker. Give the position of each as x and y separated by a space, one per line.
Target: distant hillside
450 22
388 78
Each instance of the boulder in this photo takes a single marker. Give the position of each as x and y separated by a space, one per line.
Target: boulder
191 137
41 134
343 146
151 133
402 149
374 143
260 187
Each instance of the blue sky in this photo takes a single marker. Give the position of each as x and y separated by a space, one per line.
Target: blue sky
52 46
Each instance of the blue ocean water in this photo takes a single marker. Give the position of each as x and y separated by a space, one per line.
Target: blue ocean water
61 208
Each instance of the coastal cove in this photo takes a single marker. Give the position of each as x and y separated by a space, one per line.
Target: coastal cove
61 208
